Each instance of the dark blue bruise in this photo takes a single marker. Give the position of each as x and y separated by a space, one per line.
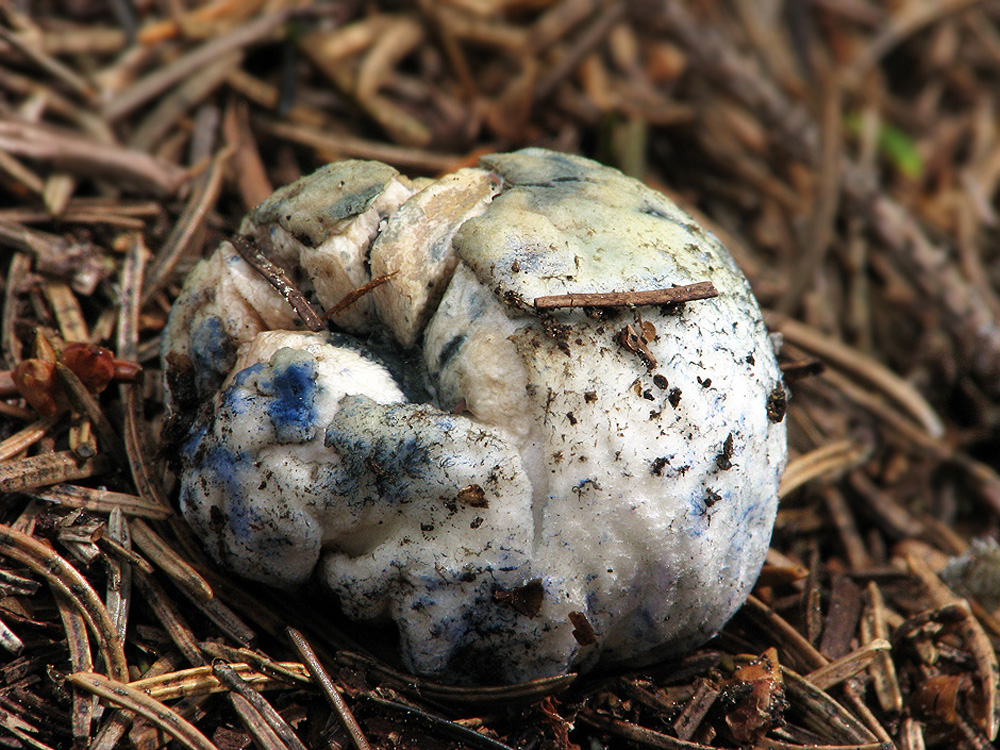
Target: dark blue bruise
221 468
213 354
450 349
393 457
234 398
650 210
398 453
292 408
309 209
542 169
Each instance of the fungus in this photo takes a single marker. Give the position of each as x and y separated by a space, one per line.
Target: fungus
513 484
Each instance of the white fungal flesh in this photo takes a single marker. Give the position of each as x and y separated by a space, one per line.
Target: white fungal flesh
556 480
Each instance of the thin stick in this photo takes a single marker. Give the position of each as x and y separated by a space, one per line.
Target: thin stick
277 277
51 65
353 296
403 157
66 308
71 152
588 40
162 717
860 366
17 273
84 401
9 640
237 657
263 735
118 592
673 295
333 695
838 457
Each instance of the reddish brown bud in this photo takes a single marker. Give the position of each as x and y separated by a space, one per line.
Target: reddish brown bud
94 365
37 382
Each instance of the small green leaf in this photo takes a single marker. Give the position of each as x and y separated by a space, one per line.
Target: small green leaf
895 145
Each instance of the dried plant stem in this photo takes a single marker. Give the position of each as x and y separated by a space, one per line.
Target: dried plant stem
50 65
672 295
170 618
874 629
186 95
792 643
262 733
163 718
638 734
224 618
458 695
257 661
976 641
592 36
85 402
66 308
187 228
75 154
17 273
967 315
118 593
65 579
821 713
404 157
354 295
445 727
9 640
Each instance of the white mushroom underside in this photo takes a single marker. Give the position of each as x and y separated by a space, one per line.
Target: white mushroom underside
556 477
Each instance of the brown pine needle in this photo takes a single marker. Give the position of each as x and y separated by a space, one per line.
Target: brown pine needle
64 578
121 694
322 678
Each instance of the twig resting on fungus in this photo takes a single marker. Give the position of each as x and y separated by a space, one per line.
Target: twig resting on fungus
670 296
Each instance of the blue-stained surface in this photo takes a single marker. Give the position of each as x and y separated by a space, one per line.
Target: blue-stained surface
212 353
292 407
